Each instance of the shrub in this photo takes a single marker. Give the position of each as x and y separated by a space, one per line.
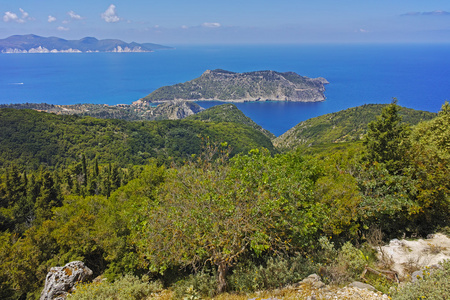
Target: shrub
274 273
203 283
340 266
434 285
127 287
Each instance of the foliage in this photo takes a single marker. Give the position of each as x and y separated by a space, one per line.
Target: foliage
211 218
126 287
345 126
32 138
273 273
386 139
341 265
434 285
196 286
430 168
228 113
212 211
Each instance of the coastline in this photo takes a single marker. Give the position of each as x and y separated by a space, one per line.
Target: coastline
140 102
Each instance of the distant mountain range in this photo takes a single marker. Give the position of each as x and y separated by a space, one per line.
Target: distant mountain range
36 44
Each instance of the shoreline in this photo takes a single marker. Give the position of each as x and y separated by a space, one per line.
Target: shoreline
140 102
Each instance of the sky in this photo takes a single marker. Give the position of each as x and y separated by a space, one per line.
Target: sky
173 22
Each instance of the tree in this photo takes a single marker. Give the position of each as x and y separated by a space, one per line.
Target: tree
215 212
386 139
48 197
430 168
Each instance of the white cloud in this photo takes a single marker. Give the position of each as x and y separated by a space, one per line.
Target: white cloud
25 15
12 17
74 16
9 16
51 19
184 27
110 15
62 28
363 30
211 25
427 13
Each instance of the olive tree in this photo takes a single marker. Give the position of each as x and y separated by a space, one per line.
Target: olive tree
215 212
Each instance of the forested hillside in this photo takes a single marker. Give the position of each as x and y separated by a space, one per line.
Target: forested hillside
344 126
234 217
32 138
228 113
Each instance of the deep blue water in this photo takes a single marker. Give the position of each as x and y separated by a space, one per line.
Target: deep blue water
418 75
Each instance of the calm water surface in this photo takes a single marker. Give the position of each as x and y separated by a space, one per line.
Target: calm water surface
418 75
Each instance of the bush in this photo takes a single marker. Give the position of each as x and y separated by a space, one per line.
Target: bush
340 266
275 273
127 287
434 285
203 283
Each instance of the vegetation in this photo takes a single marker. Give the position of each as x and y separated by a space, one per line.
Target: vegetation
252 86
225 214
32 138
126 287
228 113
345 126
435 284
134 112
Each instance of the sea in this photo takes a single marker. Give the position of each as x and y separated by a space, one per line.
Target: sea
418 75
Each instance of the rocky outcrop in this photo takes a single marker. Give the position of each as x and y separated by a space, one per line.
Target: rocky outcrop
221 85
177 110
61 280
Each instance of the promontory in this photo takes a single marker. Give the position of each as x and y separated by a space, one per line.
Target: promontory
221 85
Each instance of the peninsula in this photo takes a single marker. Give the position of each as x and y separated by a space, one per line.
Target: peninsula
36 44
221 85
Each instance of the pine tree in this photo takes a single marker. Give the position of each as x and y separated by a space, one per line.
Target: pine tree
386 139
48 197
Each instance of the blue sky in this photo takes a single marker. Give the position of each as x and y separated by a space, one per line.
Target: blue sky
232 21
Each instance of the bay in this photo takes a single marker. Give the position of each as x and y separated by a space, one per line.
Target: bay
417 75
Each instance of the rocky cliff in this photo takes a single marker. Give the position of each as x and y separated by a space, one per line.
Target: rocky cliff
229 86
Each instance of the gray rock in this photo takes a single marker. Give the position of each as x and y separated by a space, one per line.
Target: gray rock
311 279
361 285
61 280
318 284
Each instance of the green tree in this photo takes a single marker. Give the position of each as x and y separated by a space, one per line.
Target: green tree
48 197
210 211
386 139
430 168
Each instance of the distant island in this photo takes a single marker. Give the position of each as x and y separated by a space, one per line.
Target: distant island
221 85
36 44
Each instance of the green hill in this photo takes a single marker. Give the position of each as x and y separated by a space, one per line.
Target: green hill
252 86
32 138
228 113
343 126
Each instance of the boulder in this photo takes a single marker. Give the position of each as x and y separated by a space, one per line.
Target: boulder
61 280
313 280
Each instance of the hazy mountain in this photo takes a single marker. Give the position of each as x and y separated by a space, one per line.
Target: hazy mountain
36 44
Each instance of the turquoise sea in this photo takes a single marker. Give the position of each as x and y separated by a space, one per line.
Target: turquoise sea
417 75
